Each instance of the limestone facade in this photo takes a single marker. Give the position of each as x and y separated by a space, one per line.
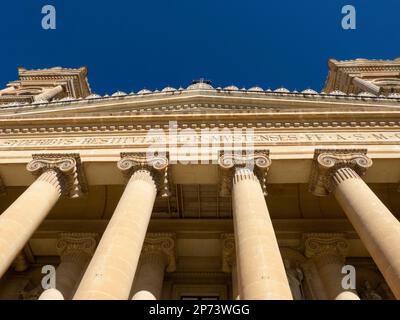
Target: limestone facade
203 192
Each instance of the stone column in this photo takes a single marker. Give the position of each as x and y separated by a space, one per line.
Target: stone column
112 269
339 171
75 250
2 187
261 270
366 85
158 256
48 94
229 262
328 253
58 174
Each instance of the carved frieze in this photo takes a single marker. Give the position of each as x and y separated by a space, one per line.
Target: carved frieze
327 161
157 165
68 168
257 161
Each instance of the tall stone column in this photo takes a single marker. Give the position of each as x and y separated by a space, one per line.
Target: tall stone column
158 256
112 269
75 250
58 174
261 270
339 171
229 262
328 252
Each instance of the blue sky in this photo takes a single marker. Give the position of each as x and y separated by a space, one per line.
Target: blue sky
129 45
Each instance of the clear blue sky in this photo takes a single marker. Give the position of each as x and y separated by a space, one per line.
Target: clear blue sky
129 45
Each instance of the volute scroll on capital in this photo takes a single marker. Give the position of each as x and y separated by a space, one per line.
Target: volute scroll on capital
161 243
228 251
327 162
257 161
76 243
68 167
157 165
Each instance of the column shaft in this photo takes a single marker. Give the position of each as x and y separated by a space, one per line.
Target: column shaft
235 282
75 250
111 271
68 274
378 229
366 85
21 219
261 273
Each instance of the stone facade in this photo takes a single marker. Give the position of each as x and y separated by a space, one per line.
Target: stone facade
203 192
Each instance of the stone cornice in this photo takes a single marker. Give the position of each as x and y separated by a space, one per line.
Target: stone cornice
324 244
68 168
256 160
163 245
156 164
327 161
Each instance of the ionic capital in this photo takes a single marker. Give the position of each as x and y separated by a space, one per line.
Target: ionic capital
325 244
161 246
257 162
76 245
156 165
327 163
228 251
68 174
